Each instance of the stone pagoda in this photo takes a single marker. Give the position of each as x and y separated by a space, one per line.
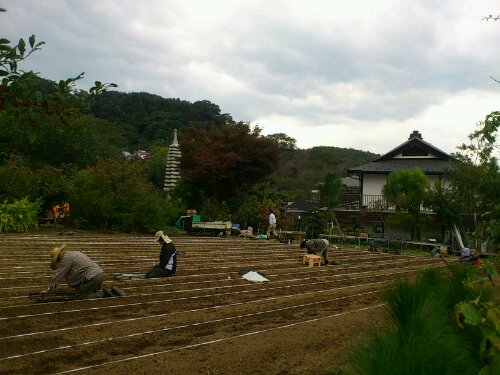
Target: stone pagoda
172 174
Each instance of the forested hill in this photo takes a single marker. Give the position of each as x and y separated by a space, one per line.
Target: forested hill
301 170
148 120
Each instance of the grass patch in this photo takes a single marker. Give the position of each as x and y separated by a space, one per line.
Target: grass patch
424 338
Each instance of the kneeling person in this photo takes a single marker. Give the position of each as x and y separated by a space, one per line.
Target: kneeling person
168 258
79 271
317 246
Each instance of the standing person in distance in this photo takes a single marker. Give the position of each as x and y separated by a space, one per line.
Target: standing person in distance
272 225
168 258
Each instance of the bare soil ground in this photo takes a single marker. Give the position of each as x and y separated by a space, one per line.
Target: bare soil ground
205 320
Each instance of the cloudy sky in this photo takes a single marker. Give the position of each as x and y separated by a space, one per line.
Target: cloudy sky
360 74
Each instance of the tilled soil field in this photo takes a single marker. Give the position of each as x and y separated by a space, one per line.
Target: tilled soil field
205 320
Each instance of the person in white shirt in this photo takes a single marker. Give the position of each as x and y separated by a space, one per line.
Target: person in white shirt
271 229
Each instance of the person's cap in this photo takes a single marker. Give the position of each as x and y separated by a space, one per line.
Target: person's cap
54 254
162 235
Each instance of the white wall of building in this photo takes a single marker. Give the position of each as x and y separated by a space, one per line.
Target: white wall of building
373 183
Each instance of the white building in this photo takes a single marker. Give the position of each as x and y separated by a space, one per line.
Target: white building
415 152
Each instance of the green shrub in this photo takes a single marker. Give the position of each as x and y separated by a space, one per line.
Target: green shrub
247 213
116 195
19 216
18 180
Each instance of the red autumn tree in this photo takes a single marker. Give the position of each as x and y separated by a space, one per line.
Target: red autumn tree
227 160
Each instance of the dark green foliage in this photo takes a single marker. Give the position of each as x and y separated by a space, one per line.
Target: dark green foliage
189 194
300 171
352 225
314 223
407 190
213 211
489 190
49 185
148 119
116 195
246 210
405 301
156 166
474 179
425 347
444 203
330 190
80 144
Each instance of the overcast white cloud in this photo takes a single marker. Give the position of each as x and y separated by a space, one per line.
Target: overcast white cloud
360 74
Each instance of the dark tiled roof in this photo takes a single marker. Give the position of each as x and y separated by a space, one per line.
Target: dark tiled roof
428 166
413 147
302 205
415 142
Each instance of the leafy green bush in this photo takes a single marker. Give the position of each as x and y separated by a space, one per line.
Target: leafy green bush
478 316
18 180
116 195
19 216
314 223
248 215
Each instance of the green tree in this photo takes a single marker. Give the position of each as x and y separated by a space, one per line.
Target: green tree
48 185
314 223
117 195
18 97
301 170
246 211
156 166
226 160
330 190
445 204
330 193
407 190
80 144
284 142
149 120
474 178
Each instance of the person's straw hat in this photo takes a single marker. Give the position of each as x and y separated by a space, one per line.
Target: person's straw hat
54 254
162 235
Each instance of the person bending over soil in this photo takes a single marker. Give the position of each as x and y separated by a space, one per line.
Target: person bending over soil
80 273
317 246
